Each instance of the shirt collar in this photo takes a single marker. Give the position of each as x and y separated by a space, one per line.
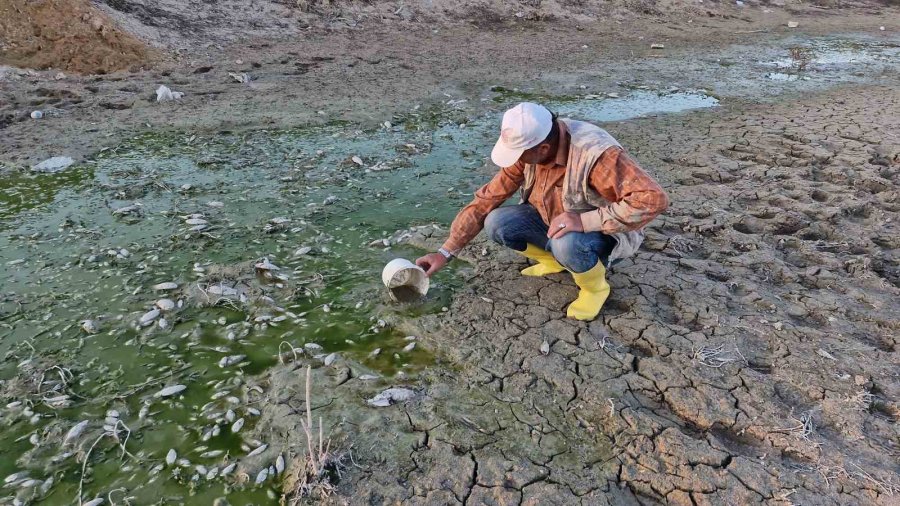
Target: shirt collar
562 151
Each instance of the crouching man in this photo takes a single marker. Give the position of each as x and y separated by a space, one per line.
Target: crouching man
584 203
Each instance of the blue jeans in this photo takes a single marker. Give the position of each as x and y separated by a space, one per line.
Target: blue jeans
517 226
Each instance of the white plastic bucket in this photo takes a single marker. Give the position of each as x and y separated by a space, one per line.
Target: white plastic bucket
404 280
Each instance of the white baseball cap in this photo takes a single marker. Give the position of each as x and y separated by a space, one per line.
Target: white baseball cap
524 126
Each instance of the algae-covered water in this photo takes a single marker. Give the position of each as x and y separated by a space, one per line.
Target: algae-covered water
199 211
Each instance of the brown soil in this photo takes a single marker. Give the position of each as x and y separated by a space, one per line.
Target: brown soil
68 35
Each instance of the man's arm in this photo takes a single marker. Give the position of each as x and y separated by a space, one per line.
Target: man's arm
470 220
636 198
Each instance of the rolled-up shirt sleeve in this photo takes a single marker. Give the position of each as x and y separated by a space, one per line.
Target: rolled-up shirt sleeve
470 220
635 197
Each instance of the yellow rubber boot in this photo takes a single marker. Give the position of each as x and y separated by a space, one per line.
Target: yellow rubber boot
546 264
593 293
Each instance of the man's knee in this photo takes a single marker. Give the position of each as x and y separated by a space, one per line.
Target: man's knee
574 253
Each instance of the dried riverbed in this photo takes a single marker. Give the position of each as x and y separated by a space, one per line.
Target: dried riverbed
151 292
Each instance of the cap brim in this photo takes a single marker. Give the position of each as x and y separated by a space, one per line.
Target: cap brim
504 156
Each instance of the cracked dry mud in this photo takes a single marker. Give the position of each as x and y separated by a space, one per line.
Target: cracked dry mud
746 355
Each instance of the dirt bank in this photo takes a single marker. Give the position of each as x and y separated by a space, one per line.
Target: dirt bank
66 35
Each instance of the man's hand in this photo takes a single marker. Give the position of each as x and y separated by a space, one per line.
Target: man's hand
563 224
432 263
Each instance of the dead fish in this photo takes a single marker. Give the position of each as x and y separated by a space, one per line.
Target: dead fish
230 415
195 221
75 432
259 449
330 359
171 457
16 477
375 352
228 469
163 323
369 377
211 454
410 338
93 502
237 426
148 317
262 476
391 396
231 360
215 203
545 348
253 411
266 265
170 391
127 209
90 326
165 286
357 160
165 304
302 251
409 347
312 346
211 475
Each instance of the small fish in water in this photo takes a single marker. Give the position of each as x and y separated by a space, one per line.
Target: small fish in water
266 265
170 391
231 360
165 304
75 432
90 326
148 317
16 477
262 476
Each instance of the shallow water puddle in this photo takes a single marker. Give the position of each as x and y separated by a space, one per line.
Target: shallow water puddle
201 261
833 59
